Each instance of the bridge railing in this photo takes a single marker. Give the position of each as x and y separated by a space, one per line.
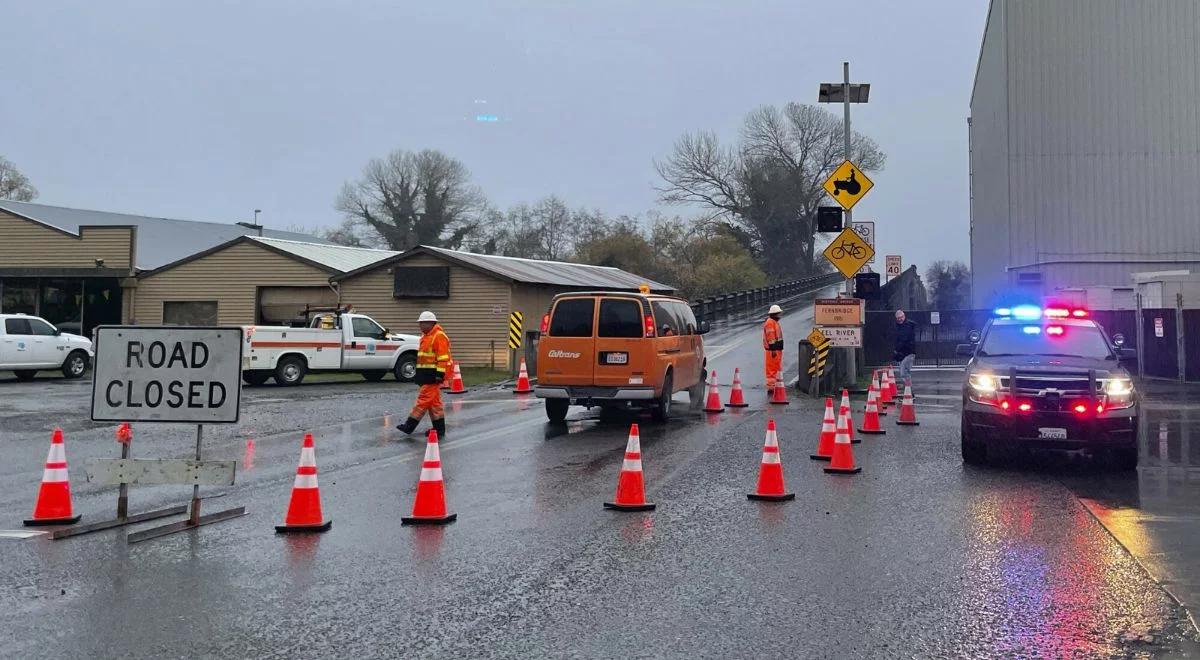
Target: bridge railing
737 303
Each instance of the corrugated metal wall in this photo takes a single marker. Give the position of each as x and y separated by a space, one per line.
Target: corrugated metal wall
989 164
231 277
474 316
1103 145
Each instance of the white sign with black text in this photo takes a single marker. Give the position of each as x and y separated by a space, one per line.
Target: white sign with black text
866 229
843 336
167 374
892 266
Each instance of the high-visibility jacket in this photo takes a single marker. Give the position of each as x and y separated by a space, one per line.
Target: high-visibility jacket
433 357
772 335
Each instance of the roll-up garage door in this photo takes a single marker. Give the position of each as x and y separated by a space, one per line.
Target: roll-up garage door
280 305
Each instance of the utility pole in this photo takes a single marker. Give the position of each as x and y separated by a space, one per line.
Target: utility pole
851 374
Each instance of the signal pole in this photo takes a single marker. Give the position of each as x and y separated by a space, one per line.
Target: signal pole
851 374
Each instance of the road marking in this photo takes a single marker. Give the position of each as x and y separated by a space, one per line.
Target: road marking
19 534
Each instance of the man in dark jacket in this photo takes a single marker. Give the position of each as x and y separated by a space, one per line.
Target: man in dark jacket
906 345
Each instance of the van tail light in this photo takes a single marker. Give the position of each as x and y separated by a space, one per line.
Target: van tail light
545 323
649 326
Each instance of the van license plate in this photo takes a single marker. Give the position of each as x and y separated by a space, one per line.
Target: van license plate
1052 434
617 358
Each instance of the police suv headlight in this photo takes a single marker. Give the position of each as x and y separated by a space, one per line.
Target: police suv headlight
983 382
1119 393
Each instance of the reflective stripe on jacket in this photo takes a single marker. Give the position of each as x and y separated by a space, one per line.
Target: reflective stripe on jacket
433 356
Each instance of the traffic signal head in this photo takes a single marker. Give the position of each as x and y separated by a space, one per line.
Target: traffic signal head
829 218
866 286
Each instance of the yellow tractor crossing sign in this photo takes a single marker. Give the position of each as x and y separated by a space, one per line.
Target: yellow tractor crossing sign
848 184
516 321
849 252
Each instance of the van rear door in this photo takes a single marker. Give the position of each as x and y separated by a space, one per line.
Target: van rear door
567 352
624 356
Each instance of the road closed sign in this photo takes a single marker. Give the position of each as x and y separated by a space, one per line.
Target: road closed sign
167 374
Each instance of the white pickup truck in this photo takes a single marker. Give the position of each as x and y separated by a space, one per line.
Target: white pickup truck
341 341
29 344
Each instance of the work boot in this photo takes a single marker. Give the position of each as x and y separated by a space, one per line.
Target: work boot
409 425
439 425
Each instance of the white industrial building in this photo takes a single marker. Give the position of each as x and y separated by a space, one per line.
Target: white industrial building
1085 146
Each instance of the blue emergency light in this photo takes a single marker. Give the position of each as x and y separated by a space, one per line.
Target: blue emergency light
1021 312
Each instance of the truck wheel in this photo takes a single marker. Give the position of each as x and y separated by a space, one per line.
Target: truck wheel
256 377
75 365
406 368
290 371
696 392
973 452
556 410
661 412
374 376
25 374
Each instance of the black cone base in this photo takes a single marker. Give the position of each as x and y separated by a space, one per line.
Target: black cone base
304 529
771 498
879 432
46 522
429 520
629 507
908 423
854 470
817 457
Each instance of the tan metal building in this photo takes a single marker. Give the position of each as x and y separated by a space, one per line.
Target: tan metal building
473 294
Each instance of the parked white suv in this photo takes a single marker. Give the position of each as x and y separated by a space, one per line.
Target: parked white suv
29 344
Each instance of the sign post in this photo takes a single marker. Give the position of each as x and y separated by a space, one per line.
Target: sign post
168 374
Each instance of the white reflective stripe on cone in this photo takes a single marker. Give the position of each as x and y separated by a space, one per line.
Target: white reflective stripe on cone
58 454
305 481
432 453
632 465
54 474
634 446
770 457
308 457
431 474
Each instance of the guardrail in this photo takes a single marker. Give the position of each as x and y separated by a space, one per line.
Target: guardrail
744 302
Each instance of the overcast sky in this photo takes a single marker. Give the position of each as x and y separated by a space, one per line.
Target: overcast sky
208 110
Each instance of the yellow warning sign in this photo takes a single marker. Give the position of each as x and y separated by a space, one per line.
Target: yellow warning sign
847 185
849 252
816 338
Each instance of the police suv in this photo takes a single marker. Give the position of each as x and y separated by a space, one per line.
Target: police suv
1048 378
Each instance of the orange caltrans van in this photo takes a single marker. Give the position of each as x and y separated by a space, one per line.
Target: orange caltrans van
619 349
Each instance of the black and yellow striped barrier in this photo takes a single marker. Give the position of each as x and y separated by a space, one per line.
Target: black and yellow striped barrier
516 321
820 355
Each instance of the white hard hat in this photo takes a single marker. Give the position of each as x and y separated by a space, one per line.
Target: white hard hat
426 316
775 309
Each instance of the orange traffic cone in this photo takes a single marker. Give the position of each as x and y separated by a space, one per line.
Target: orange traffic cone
429 507
842 461
828 434
844 409
893 392
53 505
877 384
456 384
885 390
447 381
871 416
631 492
713 402
770 471
523 380
778 393
736 398
908 413
304 509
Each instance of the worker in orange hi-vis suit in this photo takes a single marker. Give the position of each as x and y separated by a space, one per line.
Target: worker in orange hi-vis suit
773 345
433 358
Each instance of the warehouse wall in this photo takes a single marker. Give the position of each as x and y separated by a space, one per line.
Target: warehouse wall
475 314
29 244
230 277
989 164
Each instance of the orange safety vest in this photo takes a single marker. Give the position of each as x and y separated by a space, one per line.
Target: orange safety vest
433 356
772 335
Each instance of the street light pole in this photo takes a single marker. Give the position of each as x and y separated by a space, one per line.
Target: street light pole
851 374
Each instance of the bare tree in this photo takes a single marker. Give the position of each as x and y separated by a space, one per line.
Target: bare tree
13 184
548 229
767 188
412 199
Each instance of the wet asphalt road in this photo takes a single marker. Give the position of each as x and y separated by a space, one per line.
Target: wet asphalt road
919 556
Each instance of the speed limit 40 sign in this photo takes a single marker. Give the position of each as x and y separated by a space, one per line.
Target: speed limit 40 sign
892 265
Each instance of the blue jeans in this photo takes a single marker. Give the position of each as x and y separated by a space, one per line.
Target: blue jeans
906 367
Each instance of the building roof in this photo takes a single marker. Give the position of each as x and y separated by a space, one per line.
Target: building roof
532 271
337 257
160 241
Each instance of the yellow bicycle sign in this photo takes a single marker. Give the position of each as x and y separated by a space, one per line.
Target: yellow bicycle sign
848 252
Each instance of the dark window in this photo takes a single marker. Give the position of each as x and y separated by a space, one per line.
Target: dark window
19 296
1029 278
366 328
666 319
421 282
17 327
573 318
687 320
40 328
620 318
191 312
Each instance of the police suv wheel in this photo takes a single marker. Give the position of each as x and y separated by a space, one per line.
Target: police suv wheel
75 365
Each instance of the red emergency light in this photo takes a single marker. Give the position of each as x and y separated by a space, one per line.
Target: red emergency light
1055 330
